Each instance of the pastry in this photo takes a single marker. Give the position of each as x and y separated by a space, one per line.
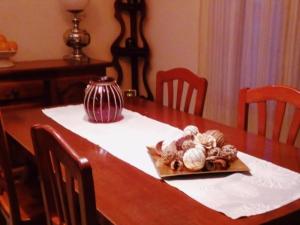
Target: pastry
179 155
215 163
187 139
207 140
168 153
187 144
200 146
195 151
229 152
194 159
158 148
213 152
190 130
176 165
218 135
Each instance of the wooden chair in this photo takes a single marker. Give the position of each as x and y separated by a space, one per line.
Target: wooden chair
282 95
20 201
182 75
66 179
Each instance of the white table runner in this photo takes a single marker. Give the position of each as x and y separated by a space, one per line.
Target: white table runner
268 187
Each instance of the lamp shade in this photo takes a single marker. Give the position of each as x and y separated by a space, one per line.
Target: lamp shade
74 5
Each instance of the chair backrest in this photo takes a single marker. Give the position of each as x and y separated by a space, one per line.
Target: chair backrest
66 179
281 95
182 75
10 204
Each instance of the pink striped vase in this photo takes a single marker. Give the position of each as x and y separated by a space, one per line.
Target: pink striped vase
103 100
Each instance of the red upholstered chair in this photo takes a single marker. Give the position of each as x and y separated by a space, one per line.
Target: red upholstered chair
66 179
281 95
181 75
20 201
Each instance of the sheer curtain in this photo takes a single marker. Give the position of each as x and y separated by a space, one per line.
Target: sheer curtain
246 43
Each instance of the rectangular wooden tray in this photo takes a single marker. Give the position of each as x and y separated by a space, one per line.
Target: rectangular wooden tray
165 171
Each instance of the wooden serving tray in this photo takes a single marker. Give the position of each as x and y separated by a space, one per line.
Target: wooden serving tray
165 171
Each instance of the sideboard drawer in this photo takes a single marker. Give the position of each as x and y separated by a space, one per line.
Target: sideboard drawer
11 91
71 90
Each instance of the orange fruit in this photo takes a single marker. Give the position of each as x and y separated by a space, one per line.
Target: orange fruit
4 46
13 46
2 38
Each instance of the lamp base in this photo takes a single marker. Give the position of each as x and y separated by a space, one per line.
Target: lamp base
77 39
77 58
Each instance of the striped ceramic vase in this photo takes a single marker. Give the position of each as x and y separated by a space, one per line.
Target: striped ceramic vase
103 100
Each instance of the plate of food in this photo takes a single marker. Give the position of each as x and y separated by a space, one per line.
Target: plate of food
7 49
196 153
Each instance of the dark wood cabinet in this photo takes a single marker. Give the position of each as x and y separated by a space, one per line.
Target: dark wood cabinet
47 82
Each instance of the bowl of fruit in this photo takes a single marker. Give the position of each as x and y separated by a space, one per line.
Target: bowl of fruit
7 49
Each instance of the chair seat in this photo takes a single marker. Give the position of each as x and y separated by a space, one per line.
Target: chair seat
19 173
30 201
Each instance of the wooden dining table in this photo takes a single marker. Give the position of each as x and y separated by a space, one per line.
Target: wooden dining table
127 196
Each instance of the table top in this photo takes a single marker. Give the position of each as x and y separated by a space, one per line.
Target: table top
39 69
126 195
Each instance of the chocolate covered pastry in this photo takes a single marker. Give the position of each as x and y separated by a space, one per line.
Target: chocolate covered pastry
229 152
218 135
215 163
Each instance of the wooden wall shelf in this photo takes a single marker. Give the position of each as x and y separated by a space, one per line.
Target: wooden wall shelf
136 47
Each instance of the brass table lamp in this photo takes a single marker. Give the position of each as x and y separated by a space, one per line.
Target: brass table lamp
75 37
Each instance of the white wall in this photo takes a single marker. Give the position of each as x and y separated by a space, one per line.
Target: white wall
38 27
172 32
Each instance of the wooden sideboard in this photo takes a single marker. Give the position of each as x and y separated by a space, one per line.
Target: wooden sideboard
47 82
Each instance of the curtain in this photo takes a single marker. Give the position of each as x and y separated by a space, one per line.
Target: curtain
246 43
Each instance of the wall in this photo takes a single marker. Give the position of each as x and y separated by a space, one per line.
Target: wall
38 26
172 31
